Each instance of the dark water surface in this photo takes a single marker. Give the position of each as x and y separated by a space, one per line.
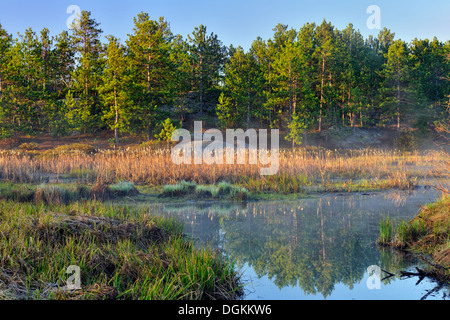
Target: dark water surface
315 248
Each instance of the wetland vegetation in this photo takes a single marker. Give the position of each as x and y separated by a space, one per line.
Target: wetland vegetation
86 174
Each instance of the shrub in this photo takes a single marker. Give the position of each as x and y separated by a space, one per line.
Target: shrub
28 146
69 149
405 142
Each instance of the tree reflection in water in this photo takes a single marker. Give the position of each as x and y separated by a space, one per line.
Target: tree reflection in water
310 243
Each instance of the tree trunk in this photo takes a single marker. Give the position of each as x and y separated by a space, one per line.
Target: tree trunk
201 84
149 78
321 94
398 104
116 122
294 104
360 117
248 108
352 112
290 88
437 87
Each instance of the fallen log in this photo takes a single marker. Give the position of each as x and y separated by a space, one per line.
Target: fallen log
419 273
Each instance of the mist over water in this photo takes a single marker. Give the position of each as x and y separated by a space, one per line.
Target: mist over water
313 248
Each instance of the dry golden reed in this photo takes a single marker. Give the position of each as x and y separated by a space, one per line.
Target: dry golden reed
154 167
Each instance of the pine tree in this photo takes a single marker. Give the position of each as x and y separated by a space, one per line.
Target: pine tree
113 91
396 74
428 67
23 92
306 99
207 58
180 83
73 112
324 54
351 50
5 44
241 81
296 128
63 61
86 40
166 132
282 76
225 111
263 54
150 64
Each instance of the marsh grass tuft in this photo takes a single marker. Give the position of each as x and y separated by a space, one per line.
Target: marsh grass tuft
222 190
122 252
52 194
203 192
386 230
124 188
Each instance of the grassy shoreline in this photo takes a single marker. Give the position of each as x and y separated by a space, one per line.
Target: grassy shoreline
122 253
427 235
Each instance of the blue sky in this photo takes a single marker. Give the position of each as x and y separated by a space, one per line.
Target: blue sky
236 22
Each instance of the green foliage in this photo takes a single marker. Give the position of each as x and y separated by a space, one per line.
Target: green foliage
86 42
209 192
325 76
422 124
407 233
405 142
166 132
296 129
113 91
224 111
207 59
224 188
386 231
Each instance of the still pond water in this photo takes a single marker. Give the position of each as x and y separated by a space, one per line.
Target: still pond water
314 248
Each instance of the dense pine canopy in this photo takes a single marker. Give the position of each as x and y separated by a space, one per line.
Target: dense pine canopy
300 80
